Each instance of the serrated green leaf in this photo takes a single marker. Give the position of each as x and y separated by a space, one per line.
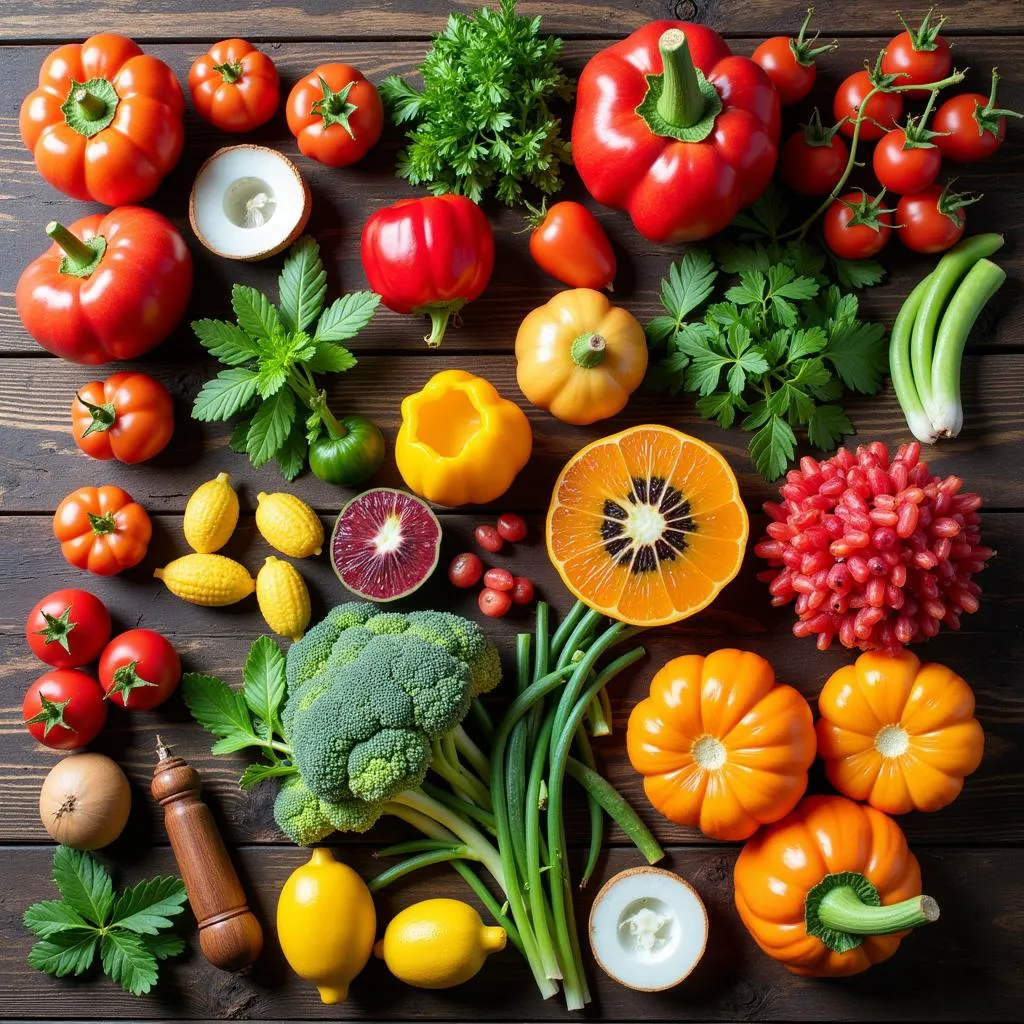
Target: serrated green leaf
737 259
255 313
128 962
688 283
148 907
257 773
302 286
765 219
263 676
346 317
84 883
271 378
750 290
858 273
804 343
226 342
659 331
859 355
330 358
705 371
783 282
69 952
827 426
721 407
224 396
772 448
271 424
291 456
219 710
48 917
165 945
238 435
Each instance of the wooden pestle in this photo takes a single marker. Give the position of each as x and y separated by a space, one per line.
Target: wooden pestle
229 934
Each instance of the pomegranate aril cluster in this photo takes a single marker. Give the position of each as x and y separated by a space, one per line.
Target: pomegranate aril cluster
501 590
873 552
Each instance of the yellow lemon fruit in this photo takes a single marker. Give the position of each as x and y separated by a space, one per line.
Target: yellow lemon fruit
438 943
326 923
283 598
208 580
288 524
211 515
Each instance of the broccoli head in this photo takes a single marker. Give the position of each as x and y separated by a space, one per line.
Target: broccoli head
306 819
310 655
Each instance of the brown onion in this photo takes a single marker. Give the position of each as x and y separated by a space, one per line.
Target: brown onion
85 800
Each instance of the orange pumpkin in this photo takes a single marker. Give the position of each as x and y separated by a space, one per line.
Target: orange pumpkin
831 889
898 734
720 744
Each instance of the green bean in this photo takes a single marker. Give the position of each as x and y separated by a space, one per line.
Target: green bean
415 863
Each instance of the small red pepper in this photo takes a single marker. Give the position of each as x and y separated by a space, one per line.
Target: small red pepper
429 256
674 129
112 286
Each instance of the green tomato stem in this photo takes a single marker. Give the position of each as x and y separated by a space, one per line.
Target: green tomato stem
901 370
229 73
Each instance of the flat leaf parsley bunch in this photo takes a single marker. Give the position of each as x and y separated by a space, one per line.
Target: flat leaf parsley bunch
780 350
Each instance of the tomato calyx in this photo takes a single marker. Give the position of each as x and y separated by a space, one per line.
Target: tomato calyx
102 525
950 203
334 107
816 134
867 211
989 116
50 714
90 106
916 133
926 36
680 103
803 49
81 255
229 72
103 416
124 681
58 628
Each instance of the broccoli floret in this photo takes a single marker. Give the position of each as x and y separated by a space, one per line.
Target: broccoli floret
299 814
463 639
390 761
309 656
352 815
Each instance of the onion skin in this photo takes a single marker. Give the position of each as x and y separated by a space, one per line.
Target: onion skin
85 801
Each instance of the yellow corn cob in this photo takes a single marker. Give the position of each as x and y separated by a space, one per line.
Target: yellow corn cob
211 515
283 598
289 524
208 580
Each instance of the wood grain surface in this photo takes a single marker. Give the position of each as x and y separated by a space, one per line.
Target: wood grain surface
968 966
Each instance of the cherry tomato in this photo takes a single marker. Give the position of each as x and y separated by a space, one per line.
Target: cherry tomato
488 538
64 709
512 527
139 669
102 529
884 108
568 242
234 86
522 590
498 579
68 628
494 603
972 127
465 570
903 167
918 56
932 220
856 226
128 417
813 159
790 63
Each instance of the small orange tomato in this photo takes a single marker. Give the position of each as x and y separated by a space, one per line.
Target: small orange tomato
568 242
128 417
234 86
720 744
898 734
102 529
335 114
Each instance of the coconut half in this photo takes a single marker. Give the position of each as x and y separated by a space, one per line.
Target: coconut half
648 929
248 203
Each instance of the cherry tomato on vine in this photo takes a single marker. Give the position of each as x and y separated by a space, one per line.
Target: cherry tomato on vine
813 159
972 127
64 709
881 112
790 63
902 165
918 55
568 242
933 219
68 628
139 669
856 226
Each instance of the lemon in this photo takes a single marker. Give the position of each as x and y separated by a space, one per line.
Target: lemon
211 515
208 580
438 943
289 524
283 598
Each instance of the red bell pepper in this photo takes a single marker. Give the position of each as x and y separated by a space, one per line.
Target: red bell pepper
429 256
112 286
674 129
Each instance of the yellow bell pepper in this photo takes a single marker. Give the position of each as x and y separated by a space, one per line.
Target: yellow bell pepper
460 442
580 357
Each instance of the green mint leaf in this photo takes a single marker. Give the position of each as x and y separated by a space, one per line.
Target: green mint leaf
48 917
219 710
291 456
263 675
226 342
772 448
164 946
64 953
750 290
721 407
740 259
688 283
302 286
256 773
84 884
330 358
148 907
858 353
858 273
344 318
827 426
255 313
271 424
228 393
128 962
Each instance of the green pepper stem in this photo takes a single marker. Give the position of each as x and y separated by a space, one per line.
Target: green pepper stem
91 106
681 103
230 73
843 910
588 350
74 248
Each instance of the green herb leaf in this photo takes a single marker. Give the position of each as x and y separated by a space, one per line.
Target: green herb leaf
271 378
228 393
721 407
766 218
220 710
858 353
741 259
302 285
237 440
164 946
688 284
330 358
772 448
226 342
858 273
128 961
48 917
263 675
256 773
827 426
64 953
291 456
84 884
148 907
255 312
270 426
750 290
346 317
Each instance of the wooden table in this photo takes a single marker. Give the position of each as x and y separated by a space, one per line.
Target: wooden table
967 967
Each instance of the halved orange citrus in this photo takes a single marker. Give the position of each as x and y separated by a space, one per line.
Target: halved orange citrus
647 525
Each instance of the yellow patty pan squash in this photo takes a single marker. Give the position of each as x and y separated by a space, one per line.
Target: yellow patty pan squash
580 357
460 442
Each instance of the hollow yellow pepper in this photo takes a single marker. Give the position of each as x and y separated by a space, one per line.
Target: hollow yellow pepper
460 442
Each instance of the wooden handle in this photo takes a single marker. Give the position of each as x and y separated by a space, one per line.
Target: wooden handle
229 934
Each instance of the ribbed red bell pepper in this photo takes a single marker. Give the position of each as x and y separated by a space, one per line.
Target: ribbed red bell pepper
674 129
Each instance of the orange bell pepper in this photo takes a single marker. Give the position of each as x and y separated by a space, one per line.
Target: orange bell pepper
898 734
830 889
720 744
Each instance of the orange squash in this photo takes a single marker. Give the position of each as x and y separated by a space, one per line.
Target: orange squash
720 744
898 734
830 889
647 525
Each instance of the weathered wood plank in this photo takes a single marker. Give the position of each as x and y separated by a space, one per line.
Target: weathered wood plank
964 967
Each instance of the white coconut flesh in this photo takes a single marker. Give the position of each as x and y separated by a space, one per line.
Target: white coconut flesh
648 929
248 202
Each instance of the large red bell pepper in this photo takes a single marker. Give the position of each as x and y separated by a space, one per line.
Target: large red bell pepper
429 256
112 286
674 129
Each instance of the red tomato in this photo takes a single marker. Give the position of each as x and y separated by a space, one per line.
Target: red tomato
881 112
102 529
918 56
128 417
813 159
234 86
465 570
972 127
522 590
139 669
904 166
68 628
856 226
494 603
569 243
790 63
336 114
512 527
488 538
932 220
64 709
498 579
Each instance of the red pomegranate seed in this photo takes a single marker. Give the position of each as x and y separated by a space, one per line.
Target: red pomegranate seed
522 590
494 603
498 579
512 527
488 538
